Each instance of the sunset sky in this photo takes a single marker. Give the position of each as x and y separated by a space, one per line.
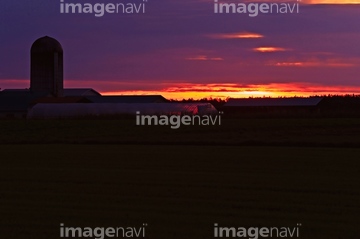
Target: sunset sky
182 49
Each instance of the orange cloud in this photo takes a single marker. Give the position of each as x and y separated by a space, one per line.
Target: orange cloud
269 49
240 35
204 58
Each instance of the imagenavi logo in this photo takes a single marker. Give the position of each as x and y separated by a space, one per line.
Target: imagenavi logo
254 9
175 121
100 9
257 232
103 232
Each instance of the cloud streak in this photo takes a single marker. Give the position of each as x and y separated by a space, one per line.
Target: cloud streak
269 49
240 35
331 63
204 58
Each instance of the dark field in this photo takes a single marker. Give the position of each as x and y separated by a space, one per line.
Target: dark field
180 191
244 173
323 132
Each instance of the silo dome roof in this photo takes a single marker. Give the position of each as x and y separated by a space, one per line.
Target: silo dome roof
46 44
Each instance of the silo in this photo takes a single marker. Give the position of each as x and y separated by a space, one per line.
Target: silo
47 66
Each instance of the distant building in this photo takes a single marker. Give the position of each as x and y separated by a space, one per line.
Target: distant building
273 102
15 103
272 106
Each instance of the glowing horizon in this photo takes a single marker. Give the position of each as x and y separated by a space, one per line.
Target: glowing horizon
179 91
224 91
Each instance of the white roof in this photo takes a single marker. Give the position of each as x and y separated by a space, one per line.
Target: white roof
46 111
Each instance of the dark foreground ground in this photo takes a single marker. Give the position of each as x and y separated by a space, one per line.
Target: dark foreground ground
180 191
316 132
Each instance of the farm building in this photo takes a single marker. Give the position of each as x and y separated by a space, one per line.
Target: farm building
15 103
272 106
80 110
340 106
46 97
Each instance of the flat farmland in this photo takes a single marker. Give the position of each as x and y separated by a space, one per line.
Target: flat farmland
179 190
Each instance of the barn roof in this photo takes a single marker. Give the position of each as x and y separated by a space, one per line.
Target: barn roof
61 100
258 102
128 99
80 92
